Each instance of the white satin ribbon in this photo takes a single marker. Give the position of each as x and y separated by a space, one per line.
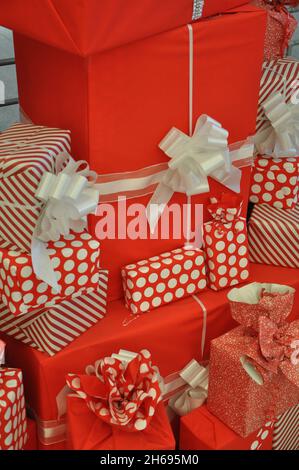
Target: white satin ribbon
192 160
281 137
69 196
197 377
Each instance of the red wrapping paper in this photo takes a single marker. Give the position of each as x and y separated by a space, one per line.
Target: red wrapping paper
275 182
147 82
75 259
182 321
163 279
87 432
82 26
200 430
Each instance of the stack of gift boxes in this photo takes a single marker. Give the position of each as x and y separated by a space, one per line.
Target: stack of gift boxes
161 111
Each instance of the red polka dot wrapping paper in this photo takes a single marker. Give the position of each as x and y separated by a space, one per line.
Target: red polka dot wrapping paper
275 181
13 421
162 279
226 252
26 153
75 259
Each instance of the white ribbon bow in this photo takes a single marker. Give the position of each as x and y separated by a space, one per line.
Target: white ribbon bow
69 196
197 377
281 136
192 160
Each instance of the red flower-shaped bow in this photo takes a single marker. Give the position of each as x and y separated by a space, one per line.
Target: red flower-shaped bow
120 393
226 209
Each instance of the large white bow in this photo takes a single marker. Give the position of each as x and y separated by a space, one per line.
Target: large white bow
197 378
192 160
281 136
69 196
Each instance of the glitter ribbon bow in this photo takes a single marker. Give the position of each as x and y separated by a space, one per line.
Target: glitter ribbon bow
121 390
281 137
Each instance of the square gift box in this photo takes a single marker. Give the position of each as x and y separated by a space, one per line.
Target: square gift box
75 259
201 430
162 279
275 181
273 236
13 421
26 153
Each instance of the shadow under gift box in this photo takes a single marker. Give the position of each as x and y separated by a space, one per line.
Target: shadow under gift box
120 103
182 321
88 26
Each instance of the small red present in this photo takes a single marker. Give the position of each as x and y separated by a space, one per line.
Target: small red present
75 259
275 181
13 422
225 243
200 430
163 279
253 377
118 406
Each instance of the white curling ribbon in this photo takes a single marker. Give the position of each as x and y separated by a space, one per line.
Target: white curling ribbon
197 377
192 160
281 136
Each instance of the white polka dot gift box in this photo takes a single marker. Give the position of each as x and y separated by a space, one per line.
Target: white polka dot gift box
274 236
75 260
26 153
51 330
162 279
225 244
13 421
275 181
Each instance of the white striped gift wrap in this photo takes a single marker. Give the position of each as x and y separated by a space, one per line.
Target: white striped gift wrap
273 236
51 330
286 430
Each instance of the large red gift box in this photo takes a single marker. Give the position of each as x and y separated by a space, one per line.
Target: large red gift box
134 94
187 322
200 430
13 421
32 435
88 432
88 26
75 260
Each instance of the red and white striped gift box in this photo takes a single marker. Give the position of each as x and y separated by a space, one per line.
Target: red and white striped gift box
278 76
274 236
26 152
286 430
51 330
75 259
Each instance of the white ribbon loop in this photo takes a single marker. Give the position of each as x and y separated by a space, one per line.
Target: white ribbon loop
197 377
192 160
281 137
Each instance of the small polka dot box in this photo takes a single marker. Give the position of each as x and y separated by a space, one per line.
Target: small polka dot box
201 430
75 259
274 236
275 181
162 279
226 252
13 421
26 153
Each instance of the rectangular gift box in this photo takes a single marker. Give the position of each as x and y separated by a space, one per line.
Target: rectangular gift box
88 26
275 181
201 430
75 259
51 330
87 432
244 402
193 322
13 421
162 279
273 236
26 153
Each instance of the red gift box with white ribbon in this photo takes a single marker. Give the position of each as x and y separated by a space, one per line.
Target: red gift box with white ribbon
225 243
75 260
163 279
